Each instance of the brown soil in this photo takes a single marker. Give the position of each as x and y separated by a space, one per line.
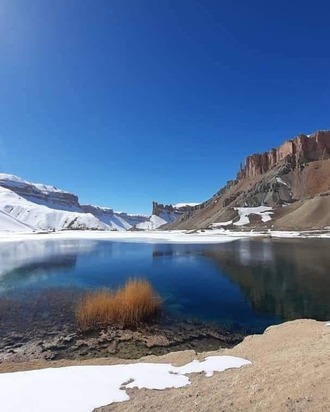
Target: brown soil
290 371
309 214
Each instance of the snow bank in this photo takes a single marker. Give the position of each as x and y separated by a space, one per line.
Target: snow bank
83 388
177 236
221 224
263 211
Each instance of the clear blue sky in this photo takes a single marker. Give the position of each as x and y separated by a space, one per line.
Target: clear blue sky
127 101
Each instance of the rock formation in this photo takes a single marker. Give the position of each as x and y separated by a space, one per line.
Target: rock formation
301 149
297 173
159 208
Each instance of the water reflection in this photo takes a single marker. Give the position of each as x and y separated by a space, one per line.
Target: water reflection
14 255
287 278
249 284
25 263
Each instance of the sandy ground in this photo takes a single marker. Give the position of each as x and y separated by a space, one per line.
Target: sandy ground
290 371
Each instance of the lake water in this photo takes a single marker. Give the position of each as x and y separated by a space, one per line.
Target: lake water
244 285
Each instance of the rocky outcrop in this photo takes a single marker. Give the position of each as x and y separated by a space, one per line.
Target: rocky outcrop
159 208
300 150
293 174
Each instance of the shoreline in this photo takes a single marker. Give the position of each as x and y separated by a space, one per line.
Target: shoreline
70 343
290 371
177 236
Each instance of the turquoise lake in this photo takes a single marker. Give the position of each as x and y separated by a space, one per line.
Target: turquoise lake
244 285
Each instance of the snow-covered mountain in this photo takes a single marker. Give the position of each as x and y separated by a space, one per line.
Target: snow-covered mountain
26 206
116 220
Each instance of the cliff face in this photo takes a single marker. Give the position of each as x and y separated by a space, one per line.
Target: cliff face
301 149
159 208
296 175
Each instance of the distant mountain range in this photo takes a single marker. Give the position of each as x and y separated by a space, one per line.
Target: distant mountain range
26 207
286 188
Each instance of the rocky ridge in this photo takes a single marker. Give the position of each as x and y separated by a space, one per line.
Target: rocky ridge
293 179
298 151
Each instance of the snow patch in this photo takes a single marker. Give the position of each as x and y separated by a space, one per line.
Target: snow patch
83 388
221 224
327 324
263 211
155 221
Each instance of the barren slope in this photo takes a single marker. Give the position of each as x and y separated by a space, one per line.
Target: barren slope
296 190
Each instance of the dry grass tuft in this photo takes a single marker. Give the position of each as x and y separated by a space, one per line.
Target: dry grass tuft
136 302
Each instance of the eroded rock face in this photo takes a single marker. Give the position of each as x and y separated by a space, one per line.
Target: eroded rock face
294 173
159 208
299 150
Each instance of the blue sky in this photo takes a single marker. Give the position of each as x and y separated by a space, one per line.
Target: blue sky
127 101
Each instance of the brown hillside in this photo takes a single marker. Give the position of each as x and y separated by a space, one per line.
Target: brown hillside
299 172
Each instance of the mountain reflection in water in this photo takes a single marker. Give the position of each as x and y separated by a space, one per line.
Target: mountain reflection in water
243 285
286 278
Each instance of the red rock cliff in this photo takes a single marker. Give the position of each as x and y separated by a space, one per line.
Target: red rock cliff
298 150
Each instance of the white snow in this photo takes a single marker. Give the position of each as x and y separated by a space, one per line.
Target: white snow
43 207
263 211
221 224
327 324
83 388
173 236
166 216
42 217
15 181
155 221
10 224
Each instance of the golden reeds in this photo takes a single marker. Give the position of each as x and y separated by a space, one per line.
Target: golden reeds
136 302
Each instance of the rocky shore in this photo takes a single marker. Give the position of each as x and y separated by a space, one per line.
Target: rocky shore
121 343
